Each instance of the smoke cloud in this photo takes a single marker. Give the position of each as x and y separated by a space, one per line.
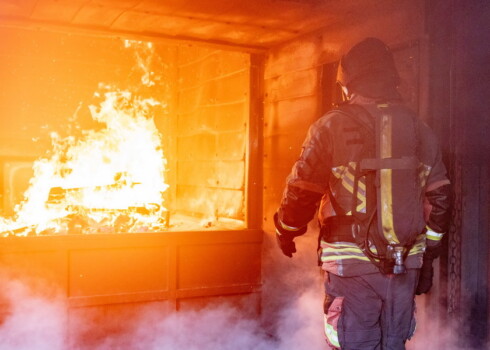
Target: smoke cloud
34 317
30 320
222 328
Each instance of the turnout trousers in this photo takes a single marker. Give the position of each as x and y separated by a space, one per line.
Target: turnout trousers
374 311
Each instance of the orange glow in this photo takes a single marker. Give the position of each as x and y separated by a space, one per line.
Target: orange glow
110 180
145 161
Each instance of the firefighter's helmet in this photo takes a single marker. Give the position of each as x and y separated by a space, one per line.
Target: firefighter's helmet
368 69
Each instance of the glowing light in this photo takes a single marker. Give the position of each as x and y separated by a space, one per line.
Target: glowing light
110 180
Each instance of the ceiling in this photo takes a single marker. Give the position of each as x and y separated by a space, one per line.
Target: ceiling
254 24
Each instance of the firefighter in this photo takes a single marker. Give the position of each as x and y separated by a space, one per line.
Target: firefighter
374 172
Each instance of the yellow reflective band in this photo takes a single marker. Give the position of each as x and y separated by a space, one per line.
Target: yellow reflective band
352 177
288 228
337 172
342 250
386 179
434 236
348 186
343 257
338 245
347 175
361 207
344 246
342 172
417 249
330 333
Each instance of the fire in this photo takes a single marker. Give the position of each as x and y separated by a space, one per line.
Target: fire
115 177
110 180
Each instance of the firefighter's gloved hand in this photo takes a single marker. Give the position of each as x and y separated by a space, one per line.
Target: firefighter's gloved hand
426 275
285 237
432 251
287 245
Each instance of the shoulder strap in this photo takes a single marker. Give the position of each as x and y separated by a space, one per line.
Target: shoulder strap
362 117
359 115
367 121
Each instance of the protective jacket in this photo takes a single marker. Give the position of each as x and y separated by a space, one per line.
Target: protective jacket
328 173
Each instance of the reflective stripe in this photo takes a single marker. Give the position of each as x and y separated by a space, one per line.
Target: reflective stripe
331 333
338 251
343 257
386 199
434 236
288 228
418 248
350 175
338 245
346 250
345 174
331 320
341 251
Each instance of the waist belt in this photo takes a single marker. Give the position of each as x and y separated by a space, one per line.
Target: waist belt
338 229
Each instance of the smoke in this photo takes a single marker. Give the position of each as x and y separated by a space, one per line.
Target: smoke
32 320
430 332
34 317
222 327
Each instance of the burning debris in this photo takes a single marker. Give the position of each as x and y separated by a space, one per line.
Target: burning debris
118 173
108 181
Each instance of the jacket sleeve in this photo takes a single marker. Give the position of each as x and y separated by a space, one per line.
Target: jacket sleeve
308 179
437 201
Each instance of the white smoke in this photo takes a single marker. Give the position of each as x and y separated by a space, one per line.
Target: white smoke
223 327
33 321
431 334
30 321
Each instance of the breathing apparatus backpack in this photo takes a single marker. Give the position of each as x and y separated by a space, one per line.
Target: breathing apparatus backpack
389 165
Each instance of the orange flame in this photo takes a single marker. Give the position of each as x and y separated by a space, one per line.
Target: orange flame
113 179
110 180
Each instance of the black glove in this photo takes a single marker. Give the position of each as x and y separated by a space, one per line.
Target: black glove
425 277
432 252
285 237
